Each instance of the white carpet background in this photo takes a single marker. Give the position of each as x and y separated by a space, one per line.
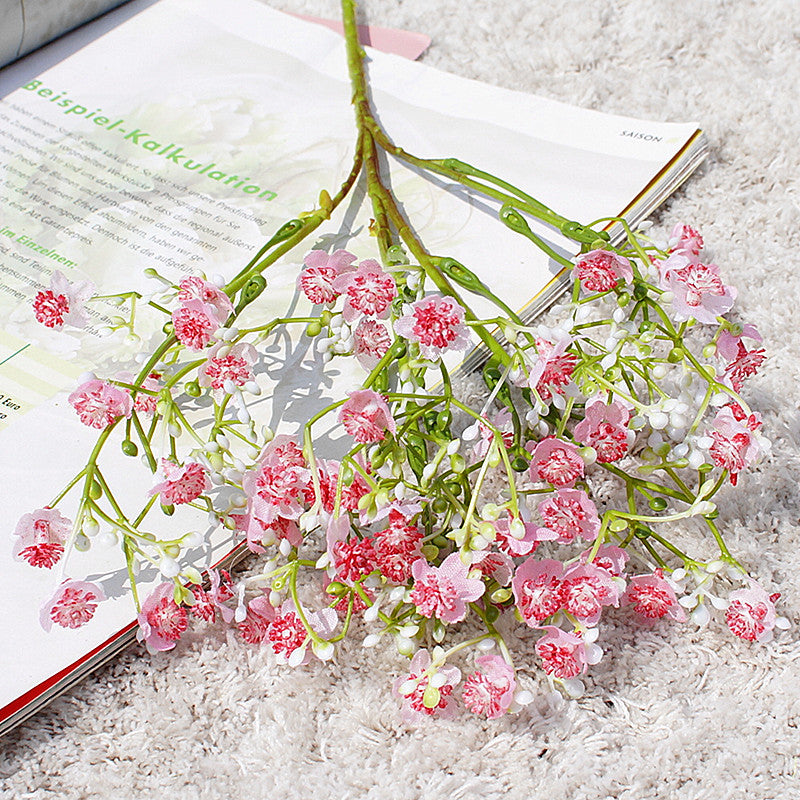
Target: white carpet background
670 713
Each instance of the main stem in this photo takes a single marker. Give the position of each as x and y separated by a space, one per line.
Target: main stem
372 138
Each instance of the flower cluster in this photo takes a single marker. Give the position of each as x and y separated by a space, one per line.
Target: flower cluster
642 386
549 505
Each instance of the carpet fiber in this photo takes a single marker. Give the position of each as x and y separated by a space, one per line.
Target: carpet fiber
671 712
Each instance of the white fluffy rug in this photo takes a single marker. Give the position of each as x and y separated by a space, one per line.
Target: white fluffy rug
670 713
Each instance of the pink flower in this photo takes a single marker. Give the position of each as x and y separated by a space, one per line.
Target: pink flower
728 341
42 534
287 636
260 614
502 421
444 591
368 291
260 533
194 324
366 417
143 403
196 289
553 368
285 633
586 589
685 239
697 288
524 546
609 557
397 548
63 303
743 363
601 270
605 428
537 589
161 620
652 597
735 445
489 692
570 513
276 486
328 472
208 602
354 559
436 323
557 462
316 280
493 565
411 688
751 613
563 654
73 604
182 484
371 342
226 362
100 404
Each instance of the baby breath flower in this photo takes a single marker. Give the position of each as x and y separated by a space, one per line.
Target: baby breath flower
366 416
40 537
489 691
197 289
570 513
194 323
751 613
321 270
161 620
227 363
556 462
601 270
63 303
420 697
371 342
652 598
436 323
100 404
563 654
182 483
697 289
73 604
537 587
605 429
368 291
444 591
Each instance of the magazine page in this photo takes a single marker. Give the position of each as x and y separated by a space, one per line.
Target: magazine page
231 120
28 24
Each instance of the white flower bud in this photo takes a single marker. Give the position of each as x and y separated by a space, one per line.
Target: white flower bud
405 646
574 687
169 567
324 651
700 616
371 613
193 539
591 635
438 680
523 697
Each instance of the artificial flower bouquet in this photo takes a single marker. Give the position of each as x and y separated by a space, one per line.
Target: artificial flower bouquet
583 478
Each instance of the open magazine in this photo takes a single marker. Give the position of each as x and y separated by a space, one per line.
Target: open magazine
232 117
